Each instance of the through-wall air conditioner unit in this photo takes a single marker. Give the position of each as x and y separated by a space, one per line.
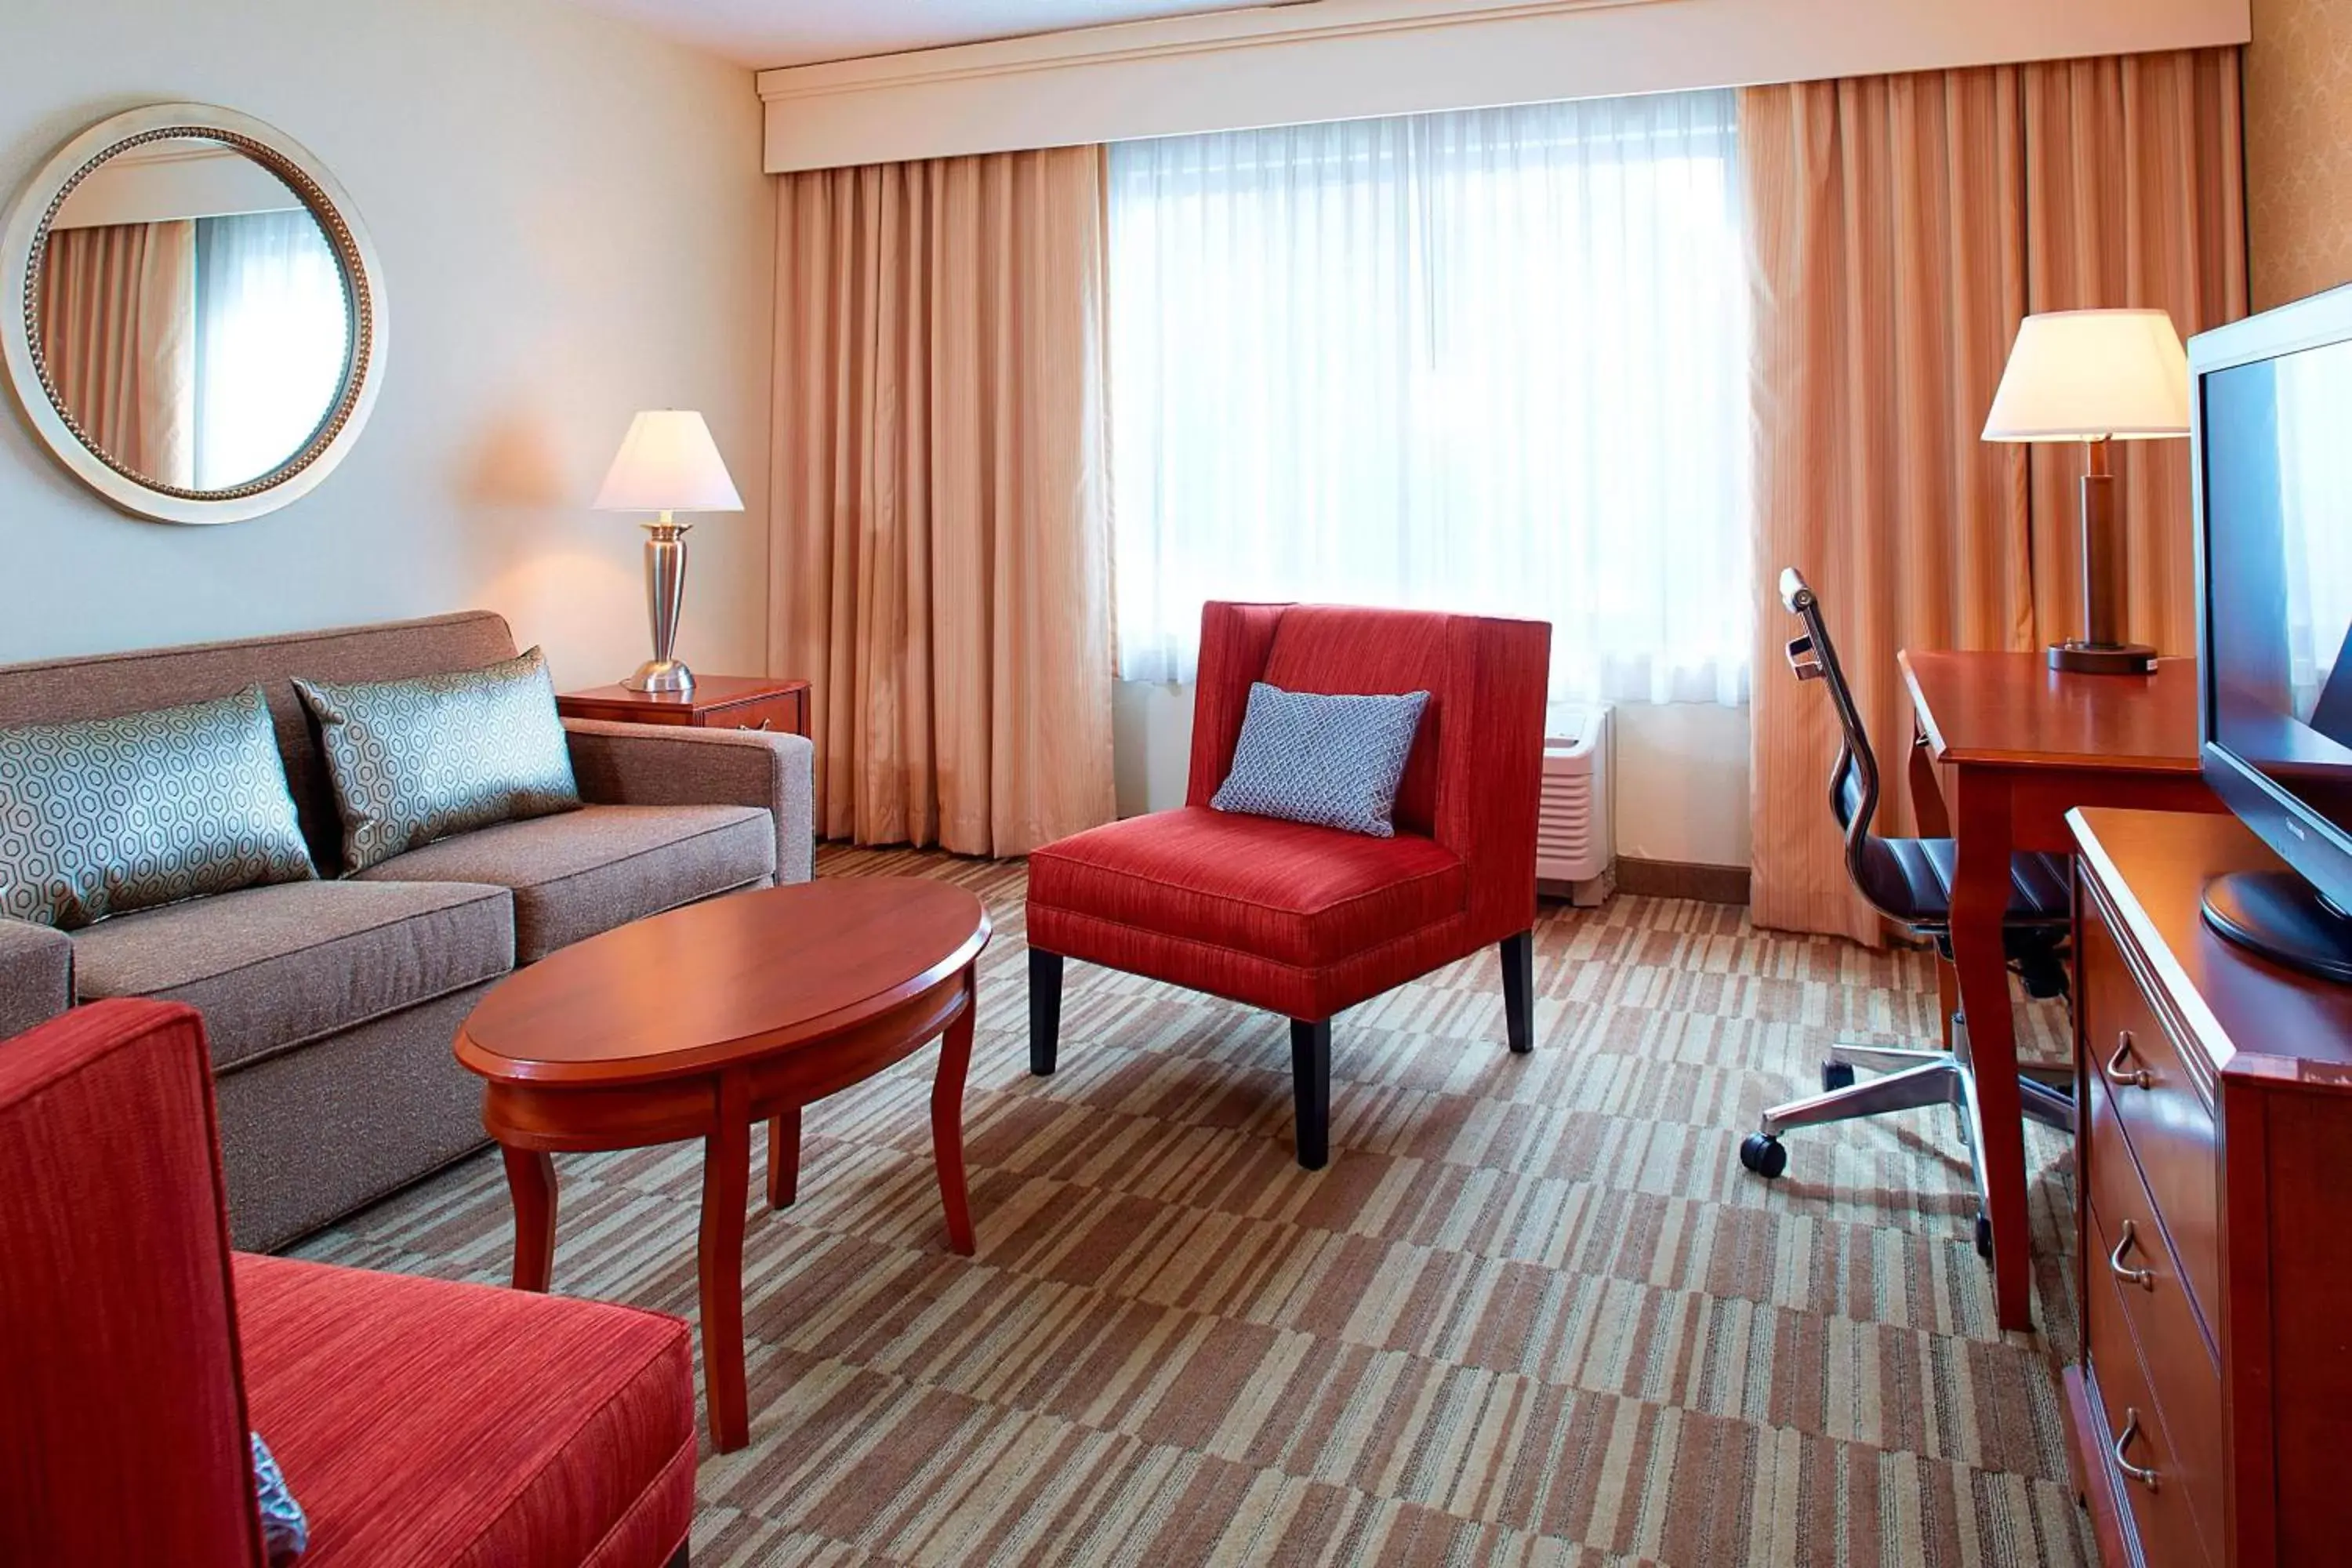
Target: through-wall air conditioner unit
1576 851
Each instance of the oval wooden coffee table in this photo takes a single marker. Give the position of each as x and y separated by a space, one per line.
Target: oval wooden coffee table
696 1023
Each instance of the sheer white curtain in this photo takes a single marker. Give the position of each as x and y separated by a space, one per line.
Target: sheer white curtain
1492 360
272 334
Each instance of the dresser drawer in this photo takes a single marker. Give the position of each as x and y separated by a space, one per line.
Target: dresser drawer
2161 1487
2164 1119
780 715
2119 1195
2131 1262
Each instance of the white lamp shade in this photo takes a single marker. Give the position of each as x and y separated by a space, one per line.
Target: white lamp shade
667 462
2087 376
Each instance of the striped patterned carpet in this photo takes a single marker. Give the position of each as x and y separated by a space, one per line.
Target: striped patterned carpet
1534 1312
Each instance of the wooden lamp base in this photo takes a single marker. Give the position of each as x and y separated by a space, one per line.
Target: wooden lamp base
2101 649
2103 659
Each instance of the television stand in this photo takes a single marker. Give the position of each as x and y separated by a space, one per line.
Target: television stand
2211 1202
2283 918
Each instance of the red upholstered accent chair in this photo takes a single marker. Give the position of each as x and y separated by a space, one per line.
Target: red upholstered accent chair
417 1422
1305 920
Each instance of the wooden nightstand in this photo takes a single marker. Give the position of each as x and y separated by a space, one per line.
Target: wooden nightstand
717 702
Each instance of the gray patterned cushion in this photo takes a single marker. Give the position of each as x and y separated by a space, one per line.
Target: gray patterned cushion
1331 760
413 761
105 815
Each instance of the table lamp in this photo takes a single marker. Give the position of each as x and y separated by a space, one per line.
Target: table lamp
2095 376
667 463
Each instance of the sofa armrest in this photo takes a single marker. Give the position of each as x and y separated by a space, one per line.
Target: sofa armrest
35 975
663 764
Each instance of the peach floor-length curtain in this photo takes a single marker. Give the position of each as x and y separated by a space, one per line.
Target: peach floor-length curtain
118 307
943 561
1902 226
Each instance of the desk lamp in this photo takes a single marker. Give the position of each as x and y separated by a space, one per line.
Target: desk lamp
2095 376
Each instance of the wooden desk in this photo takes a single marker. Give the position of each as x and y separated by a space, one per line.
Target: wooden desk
2025 744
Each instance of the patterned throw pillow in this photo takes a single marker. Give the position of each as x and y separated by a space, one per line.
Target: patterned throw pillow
102 816
1331 760
413 761
285 1532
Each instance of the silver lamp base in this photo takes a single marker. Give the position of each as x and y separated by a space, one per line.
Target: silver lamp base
665 596
662 675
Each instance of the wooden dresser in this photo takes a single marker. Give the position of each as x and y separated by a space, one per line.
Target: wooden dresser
2211 1411
717 702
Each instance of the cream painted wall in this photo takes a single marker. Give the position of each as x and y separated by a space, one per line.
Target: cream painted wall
2299 148
573 225
1680 791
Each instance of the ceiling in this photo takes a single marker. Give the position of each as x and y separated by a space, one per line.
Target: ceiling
766 33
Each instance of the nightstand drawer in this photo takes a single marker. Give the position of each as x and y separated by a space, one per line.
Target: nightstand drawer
781 715
2164 1119
717 702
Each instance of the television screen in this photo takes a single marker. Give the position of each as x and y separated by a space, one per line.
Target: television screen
2277 453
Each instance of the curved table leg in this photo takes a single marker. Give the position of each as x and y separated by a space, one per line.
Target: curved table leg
784 1157
530 1182
725 1184
1979 899
947 1116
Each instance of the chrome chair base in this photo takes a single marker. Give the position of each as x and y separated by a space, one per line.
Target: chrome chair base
1913 1078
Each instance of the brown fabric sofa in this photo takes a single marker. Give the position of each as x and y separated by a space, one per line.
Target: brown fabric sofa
330 1005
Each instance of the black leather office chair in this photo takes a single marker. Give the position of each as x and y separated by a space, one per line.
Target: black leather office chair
1909 880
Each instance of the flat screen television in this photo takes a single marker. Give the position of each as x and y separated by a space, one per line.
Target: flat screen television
2271 455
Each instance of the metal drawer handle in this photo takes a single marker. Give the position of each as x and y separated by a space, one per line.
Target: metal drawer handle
2137 1078
2143 1278
2145 1477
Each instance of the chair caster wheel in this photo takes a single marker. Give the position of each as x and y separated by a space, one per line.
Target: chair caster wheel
1762 1154
1984 1235
1836 1076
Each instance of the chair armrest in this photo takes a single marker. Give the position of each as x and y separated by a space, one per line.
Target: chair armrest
35 975
1490 764
120 1358
663 765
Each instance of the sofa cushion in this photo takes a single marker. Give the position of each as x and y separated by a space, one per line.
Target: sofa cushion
416 760
424 1421
601 867
102 816
275 967
1284 890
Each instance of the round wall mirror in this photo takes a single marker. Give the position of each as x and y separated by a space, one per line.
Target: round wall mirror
194 320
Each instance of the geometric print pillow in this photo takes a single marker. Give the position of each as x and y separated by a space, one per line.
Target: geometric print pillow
285 1529
102 816
1334 762
413 761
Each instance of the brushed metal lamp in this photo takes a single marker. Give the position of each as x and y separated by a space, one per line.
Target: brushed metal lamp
667 464
2095 376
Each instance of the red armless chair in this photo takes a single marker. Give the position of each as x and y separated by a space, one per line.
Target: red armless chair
1305 920
418 1422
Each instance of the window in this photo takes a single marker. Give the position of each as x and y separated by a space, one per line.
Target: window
1493 361
273 338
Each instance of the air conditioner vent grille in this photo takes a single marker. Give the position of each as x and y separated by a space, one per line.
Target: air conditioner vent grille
1573 842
